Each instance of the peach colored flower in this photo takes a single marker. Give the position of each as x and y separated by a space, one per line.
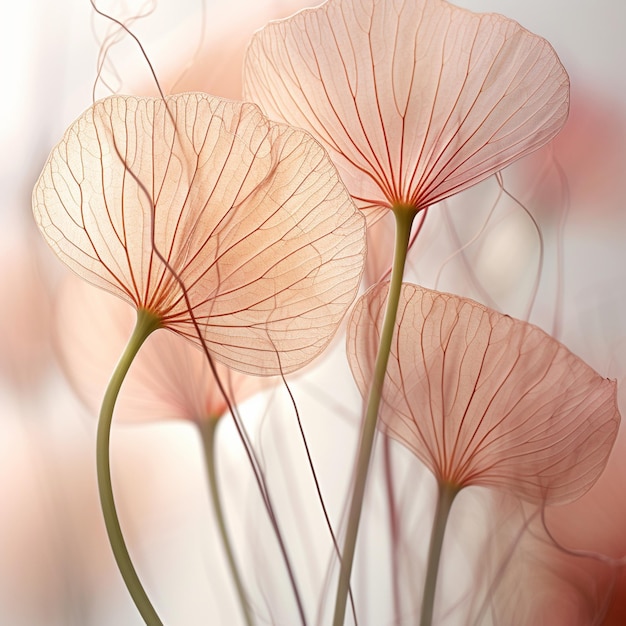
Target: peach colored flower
414 99
484 399
250 216
170 377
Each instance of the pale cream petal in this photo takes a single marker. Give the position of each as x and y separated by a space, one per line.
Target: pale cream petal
414 99
484 399
249 214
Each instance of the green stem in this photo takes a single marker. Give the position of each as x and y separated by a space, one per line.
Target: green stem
445 498
207 432
146 323
404 221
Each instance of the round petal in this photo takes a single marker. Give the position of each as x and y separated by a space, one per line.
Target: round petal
415 99
484 399
250 215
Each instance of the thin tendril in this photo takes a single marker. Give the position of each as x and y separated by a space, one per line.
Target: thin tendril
585 554
535 288
318 489
460 250
136 39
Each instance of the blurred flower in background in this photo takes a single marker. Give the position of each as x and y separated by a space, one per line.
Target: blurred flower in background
566 568
170 378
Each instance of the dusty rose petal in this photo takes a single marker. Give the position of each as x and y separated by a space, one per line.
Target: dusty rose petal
484 399
250 214
169 379
415 99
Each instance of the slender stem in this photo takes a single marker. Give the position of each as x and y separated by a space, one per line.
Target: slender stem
207 432
445 498
404 221
146 323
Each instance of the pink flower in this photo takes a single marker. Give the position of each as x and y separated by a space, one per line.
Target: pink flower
415 100
484 399
198 209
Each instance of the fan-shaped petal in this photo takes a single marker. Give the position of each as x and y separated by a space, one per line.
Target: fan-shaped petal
415 99
250 215
484 399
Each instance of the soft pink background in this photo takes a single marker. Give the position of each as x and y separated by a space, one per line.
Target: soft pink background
55 566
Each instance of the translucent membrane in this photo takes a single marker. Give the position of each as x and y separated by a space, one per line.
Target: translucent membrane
414 99
250 215
484 399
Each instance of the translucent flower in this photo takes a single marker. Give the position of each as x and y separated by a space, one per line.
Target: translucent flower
202 204
484 399
415 99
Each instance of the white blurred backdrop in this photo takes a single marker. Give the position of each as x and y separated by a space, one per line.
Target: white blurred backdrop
55 563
